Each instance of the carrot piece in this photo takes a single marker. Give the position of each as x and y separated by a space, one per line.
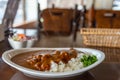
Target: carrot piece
21 35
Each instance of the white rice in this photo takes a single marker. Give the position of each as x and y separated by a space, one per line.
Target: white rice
73 64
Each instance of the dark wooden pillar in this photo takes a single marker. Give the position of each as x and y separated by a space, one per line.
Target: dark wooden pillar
9 15
91 16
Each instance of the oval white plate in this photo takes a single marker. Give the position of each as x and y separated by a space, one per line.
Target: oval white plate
45 75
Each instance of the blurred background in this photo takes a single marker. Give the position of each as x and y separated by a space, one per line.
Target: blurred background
57 17
27 10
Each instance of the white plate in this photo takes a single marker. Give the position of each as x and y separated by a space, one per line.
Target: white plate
45 75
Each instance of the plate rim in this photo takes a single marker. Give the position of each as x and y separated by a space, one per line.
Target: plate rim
50 74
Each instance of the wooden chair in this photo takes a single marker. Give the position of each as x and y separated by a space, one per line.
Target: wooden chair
57 21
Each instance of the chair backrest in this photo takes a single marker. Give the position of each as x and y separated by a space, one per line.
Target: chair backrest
57 20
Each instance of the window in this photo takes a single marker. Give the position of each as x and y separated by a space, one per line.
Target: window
62 3
27 12
43 4
31 10
19 16
3 4
116 5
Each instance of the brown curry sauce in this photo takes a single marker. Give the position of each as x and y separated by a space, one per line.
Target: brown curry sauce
41 60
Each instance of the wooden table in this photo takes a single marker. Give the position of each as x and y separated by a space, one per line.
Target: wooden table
108 70
105 71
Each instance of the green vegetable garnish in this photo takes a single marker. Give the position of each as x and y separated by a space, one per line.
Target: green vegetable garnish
88 60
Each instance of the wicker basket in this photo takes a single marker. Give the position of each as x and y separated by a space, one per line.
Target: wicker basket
101 37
